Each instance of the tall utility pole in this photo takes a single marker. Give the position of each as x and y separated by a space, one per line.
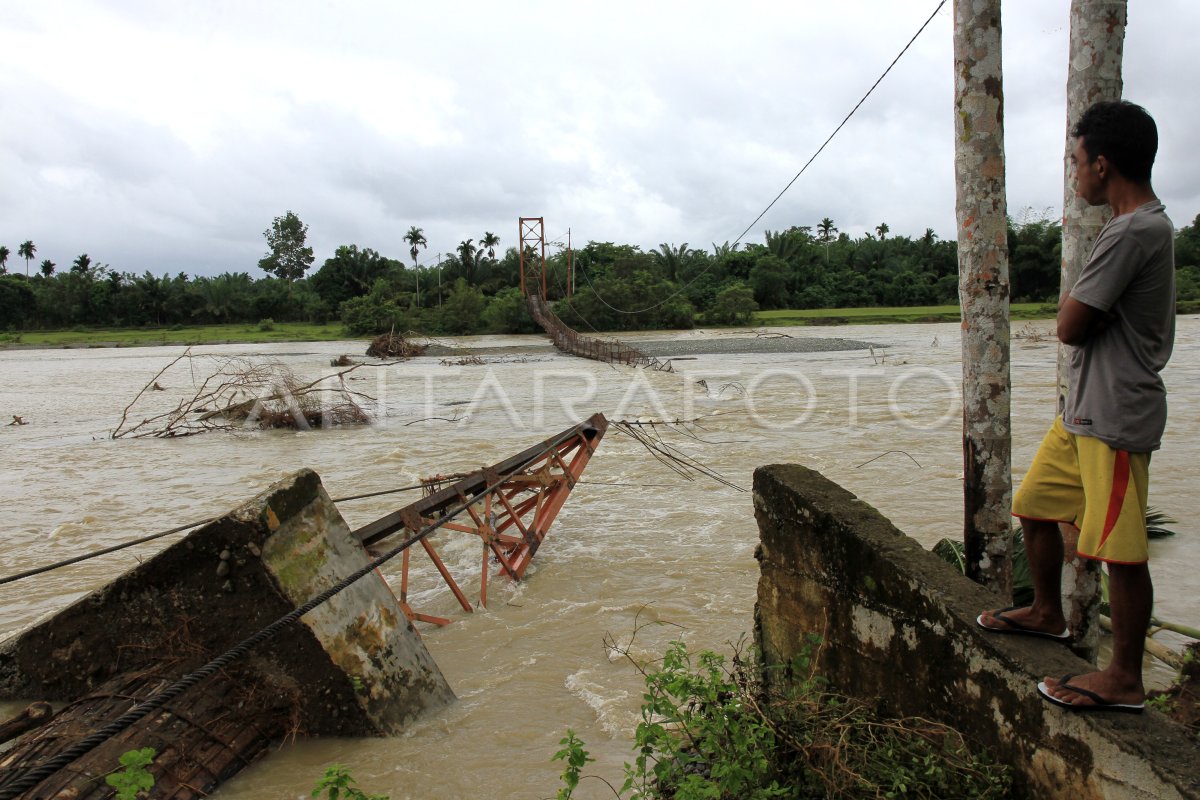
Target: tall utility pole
1093 74
983 291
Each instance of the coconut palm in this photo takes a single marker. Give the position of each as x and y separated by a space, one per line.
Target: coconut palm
27 251
416 238
3 259
82 264
882 229
48 268
489 241
469 256
826 230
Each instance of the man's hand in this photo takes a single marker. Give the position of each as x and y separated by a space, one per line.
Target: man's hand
1077 321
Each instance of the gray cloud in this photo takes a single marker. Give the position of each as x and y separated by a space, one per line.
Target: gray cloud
165 137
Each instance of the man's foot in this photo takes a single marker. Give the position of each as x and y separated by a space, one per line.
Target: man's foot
1024 622
1096 691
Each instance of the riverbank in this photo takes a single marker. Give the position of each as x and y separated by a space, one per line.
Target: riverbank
243 333
634 548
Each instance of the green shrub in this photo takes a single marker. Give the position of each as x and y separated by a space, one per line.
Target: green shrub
338 784
266 324
712 730
733 305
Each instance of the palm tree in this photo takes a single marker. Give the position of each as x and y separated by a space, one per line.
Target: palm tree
722 250
469 256
490 240
48 268
826 229
882 229
671 258
784 244
416 238
3 259
27 251
82 264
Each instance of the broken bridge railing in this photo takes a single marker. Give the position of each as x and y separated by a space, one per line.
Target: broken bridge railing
511 520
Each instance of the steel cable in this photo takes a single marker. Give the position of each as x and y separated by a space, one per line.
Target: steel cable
796 177
81 748
151 537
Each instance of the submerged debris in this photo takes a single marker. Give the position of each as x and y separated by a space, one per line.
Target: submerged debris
461 361
240 394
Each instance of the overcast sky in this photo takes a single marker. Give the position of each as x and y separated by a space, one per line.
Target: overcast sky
166 136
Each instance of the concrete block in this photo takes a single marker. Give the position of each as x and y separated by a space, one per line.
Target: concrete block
899 630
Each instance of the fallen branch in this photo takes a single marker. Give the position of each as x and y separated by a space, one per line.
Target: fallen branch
239 394
1156 649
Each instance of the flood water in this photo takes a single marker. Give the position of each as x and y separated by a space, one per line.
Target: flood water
634 544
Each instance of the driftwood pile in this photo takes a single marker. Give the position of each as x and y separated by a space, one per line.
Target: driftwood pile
394 345
238 394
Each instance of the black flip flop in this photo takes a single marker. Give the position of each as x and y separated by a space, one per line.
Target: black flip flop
1017 629
1101 703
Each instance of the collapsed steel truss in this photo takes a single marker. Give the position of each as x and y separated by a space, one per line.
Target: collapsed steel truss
524 494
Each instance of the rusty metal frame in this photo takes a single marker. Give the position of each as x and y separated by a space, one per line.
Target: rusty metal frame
532 233
521 497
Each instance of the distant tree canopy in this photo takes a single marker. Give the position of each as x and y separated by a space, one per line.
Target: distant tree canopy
618 287
289 257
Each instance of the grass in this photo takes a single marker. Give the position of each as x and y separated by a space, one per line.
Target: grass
178 335
888 315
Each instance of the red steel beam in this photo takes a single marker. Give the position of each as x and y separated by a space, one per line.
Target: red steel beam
524 492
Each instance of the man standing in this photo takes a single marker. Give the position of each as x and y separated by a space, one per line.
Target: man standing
1092 469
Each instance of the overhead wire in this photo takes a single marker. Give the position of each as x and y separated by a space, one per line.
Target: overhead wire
783 191
29 573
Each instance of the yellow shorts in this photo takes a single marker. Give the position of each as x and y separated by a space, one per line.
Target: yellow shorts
1082 481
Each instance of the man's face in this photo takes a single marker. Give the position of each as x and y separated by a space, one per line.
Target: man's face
1089 176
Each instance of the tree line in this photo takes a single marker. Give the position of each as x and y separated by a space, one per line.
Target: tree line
475 288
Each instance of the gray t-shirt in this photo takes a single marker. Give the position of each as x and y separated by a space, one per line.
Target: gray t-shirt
1116 394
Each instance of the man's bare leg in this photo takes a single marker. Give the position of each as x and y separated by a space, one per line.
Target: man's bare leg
1044 549
1131 596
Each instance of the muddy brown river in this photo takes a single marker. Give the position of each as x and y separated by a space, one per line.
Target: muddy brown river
635 544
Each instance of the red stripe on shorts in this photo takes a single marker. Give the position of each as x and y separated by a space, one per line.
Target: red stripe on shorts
1117 498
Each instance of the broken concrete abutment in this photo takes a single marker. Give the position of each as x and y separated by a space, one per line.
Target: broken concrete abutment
898 626
352 666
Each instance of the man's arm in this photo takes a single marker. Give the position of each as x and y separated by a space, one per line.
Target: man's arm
1077 321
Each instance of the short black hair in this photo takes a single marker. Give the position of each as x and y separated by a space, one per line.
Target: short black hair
1123 133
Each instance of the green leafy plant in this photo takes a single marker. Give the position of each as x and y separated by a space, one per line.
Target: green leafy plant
697 738
133 777
1161 702
712 730
575 756
338 784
